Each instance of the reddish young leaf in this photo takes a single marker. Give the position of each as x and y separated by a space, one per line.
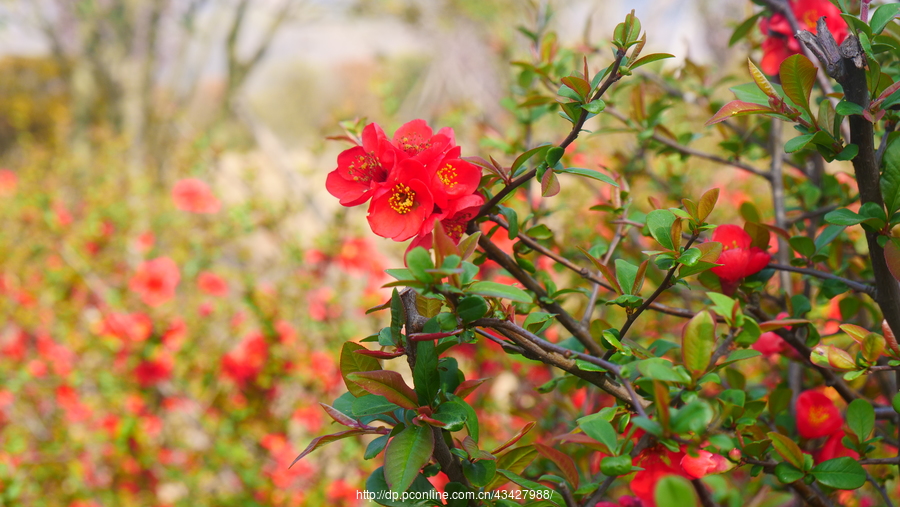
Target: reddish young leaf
351 363
737 108
386 383
561 460
892 257
798 75
467 387
326 439
518 436
340 417
380 354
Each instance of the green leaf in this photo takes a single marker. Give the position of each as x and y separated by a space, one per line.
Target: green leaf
453 414
844 217
376 446
882 16
803 245
840 473
521 159
326 439
690 257
594 106
471 308
744 28
588 173
660 224
787 448
425 375
554 154
644 60
798 143
386 383
418 260
845 108
377 486
555 498
516 461
658 368
598 428
675 491
371 404
861 418
788 473
512 219
693 417
890 178
481 472
626 273
405 456
499 290
351 362
697 342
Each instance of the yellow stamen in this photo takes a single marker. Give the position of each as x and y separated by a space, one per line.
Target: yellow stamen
447 174
402 199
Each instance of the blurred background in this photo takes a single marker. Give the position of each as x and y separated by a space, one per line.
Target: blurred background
194 380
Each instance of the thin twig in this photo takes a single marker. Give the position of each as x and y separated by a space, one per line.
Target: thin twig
611 78
857 286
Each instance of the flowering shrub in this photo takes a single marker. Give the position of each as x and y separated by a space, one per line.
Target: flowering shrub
672 416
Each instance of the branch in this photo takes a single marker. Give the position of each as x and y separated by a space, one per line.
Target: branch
611 78
691 151
806 492
666 283
857 286
551 353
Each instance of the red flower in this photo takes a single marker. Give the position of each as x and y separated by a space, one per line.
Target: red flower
151 372
833 448
194 195
246 360
403 203
362 168
657 462
155 281
780 42
454 178
704 463
8 180
738 258
816 415
127 326
455 220
212 284
416 139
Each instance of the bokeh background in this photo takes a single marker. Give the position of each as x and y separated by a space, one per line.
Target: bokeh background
109 397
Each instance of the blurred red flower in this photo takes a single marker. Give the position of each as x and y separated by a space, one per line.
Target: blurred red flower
155 281
246 360
738 258
416 139
780 42
8 181
816 415
704 463
657 462
150 372
195 196
833 448
212 284
127 326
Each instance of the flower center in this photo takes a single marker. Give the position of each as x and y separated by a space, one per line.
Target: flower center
818 415
810 18
402 199
366 168
447 174
413 145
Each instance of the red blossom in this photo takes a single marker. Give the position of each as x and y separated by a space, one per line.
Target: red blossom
155 281
403 203
212 284
150 372
127 326
817 416
834 448
416 139
362 169
738 258
657 462
704 463
780 42
8 181
246 360
195 196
